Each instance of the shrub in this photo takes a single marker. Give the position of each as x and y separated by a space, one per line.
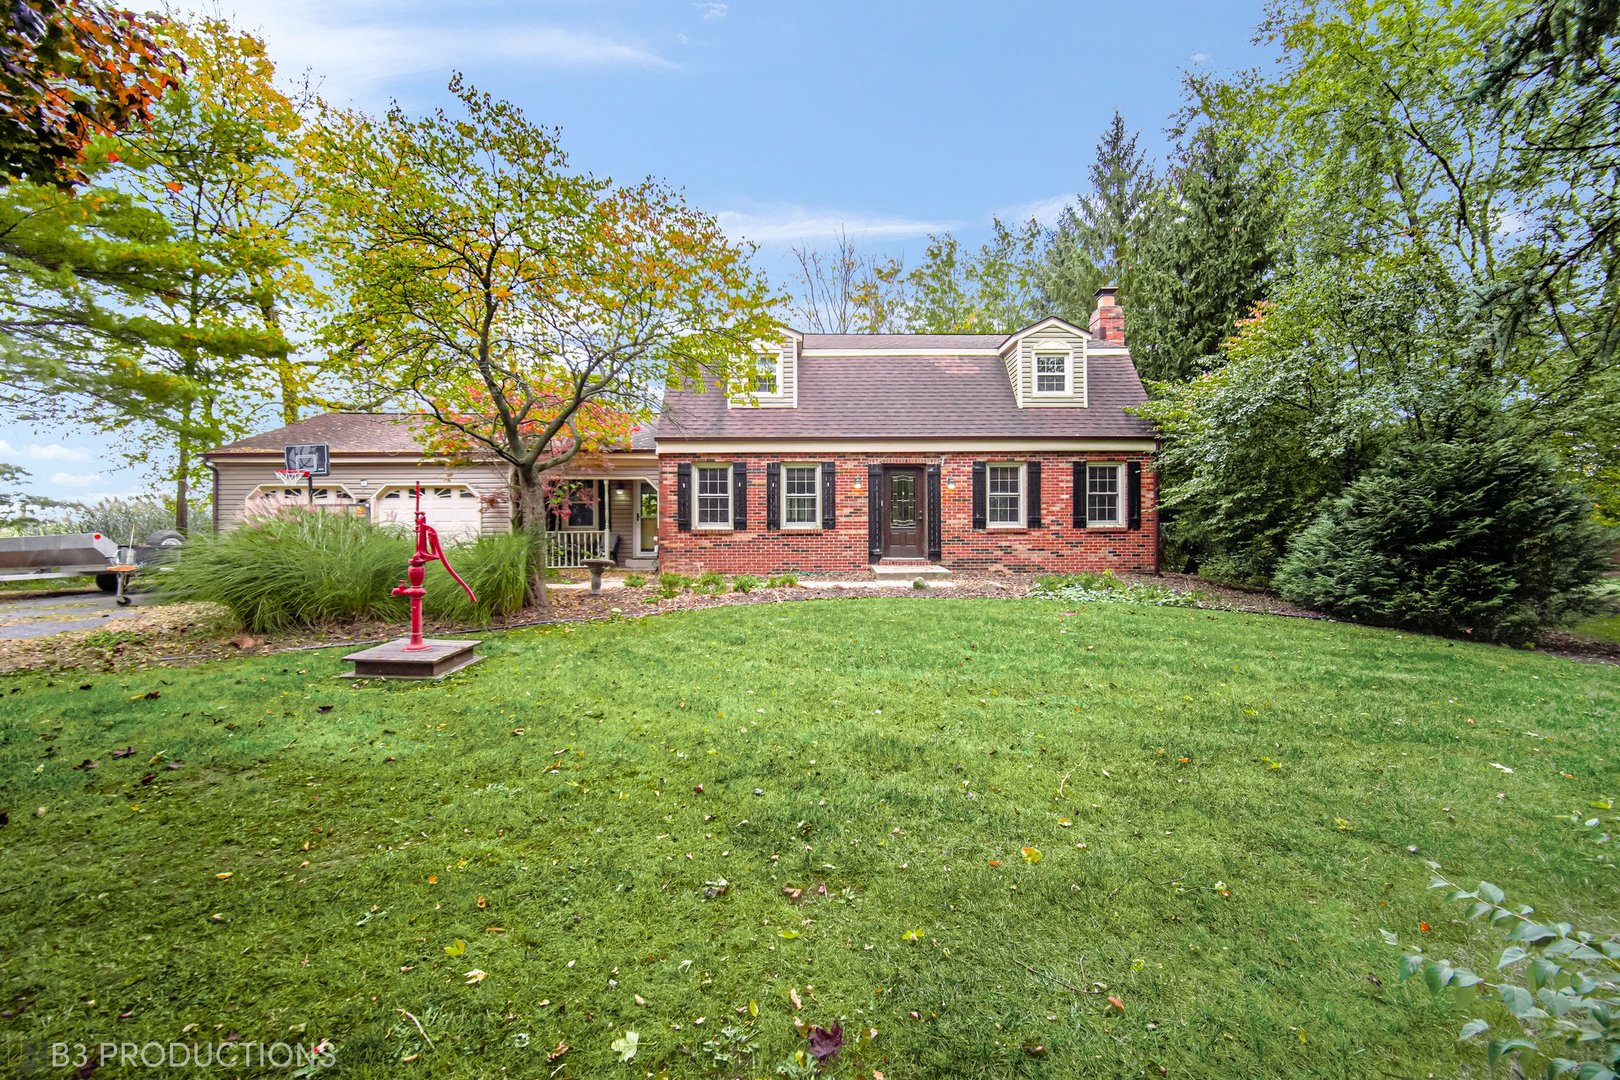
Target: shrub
745 583
1560 985
711 583
782 581
634 581
301 569
1476 535
918 583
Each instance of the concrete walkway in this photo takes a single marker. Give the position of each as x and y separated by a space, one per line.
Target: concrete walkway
618 583
59 614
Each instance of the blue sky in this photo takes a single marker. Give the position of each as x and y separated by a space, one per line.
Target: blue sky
788 120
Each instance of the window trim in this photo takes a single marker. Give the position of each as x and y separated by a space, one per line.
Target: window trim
697 494
761 360
1121 513
782 495
1067 356
1022 521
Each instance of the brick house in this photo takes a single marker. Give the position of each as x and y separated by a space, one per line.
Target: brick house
892 451
851 454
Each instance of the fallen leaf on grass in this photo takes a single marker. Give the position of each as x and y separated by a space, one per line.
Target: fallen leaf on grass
793 996
476 976
1115 1003
1032 855
625 1045
482 903
913 935
324 708
557 1051
459 948
87 763
787 935
226 876
128 751
825 1042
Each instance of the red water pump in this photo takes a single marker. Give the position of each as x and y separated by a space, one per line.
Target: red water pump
427 550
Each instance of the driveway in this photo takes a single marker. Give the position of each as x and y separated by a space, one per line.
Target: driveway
58 614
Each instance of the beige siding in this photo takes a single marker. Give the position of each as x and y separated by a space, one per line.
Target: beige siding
238 479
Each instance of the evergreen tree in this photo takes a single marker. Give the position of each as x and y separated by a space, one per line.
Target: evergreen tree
1205 256
1095 242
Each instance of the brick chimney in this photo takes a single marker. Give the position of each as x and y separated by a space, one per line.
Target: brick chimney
1108 321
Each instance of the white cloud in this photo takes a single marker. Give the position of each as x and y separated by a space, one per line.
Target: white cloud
682 39
1046 211
354 48
712 11
786 223
36 452
78 480
1198 58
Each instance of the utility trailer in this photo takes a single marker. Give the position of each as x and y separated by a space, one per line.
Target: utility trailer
41 558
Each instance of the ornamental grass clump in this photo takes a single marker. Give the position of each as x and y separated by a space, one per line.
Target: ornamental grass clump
303 569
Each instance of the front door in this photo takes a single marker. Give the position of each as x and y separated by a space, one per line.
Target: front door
646 519
903 515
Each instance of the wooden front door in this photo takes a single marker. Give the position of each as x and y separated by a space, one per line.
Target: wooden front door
903 514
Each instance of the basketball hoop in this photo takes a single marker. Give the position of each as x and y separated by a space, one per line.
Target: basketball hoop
291 476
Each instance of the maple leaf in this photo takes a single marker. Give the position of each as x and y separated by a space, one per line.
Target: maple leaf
625 1046
825 1042
1115 1003
1032 855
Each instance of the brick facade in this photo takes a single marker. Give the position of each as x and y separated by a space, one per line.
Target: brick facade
1056 546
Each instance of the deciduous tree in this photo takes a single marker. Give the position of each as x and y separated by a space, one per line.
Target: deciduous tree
528 308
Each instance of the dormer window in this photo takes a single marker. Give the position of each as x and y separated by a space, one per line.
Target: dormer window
1052 373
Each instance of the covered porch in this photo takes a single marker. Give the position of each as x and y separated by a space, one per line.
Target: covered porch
609 514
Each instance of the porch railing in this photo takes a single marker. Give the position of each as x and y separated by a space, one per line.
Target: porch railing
573 548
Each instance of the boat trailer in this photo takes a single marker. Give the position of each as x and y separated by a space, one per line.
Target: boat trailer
31 558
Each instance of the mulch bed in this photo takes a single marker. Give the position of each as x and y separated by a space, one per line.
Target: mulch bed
178 634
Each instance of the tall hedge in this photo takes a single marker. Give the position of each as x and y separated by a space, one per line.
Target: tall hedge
1474 535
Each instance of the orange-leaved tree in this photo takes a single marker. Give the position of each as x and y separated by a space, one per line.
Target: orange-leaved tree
530 311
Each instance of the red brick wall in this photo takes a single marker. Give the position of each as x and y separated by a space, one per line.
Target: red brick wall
1054 547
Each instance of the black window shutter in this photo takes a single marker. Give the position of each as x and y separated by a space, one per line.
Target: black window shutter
1133 494
874 519
978 494
683 496
936 515
773 495
739 495
829 495
1032 472
1079 494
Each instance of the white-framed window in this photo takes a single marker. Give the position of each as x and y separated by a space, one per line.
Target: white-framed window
1104 494
711 491
1052 373
767 374
1004 495
801 496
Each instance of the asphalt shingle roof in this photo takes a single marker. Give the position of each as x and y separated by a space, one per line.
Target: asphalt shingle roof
883 397
358 433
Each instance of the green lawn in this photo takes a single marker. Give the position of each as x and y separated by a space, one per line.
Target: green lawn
903 752
1602 627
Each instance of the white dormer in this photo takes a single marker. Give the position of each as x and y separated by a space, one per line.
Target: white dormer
775 382
1046 364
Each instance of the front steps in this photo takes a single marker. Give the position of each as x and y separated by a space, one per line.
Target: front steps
908 570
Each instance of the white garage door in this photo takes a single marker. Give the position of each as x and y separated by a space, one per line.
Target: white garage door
451 509
270 499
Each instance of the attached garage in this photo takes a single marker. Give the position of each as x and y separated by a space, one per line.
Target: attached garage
273 498
454 510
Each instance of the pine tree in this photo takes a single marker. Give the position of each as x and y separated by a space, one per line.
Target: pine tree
1206 253
1095 242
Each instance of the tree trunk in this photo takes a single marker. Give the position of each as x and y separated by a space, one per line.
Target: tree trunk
529 515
